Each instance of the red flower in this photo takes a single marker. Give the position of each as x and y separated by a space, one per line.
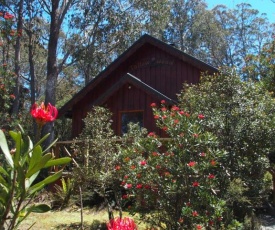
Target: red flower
191 163
147 186
163 102
125 223
199 227
175 108
129 185
213 163
8 16
155 154
43 114
196 184
165 128
153 105
201 116
117 167
156 117
176 121
195 213
195 135
211 222
211 176
163 109
139 186
151 134
125 196
12 96
143 163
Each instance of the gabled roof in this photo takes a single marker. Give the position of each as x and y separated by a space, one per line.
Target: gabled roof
145 39
129 78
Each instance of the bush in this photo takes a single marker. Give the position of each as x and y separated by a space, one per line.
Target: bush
178 178
241 115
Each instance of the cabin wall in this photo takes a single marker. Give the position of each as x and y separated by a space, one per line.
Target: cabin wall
156 68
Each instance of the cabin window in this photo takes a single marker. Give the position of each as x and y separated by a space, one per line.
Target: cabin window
130 116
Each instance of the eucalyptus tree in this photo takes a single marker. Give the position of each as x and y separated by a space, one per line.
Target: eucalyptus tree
179 30
107 28
244 32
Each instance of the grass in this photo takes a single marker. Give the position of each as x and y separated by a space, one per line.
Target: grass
70 219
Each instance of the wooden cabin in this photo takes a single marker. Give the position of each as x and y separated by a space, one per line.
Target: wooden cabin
149 71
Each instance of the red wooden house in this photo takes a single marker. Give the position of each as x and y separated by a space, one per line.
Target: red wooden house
149 71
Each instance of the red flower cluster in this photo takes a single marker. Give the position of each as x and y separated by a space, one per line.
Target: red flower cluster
43 114
8 16
125 223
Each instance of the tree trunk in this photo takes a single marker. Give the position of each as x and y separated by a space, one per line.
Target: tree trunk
16 90
52 70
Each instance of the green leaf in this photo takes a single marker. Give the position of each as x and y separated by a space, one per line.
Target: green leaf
40 208
5 149
17 137
44 182
38 165
36 156
30 180
45 150
59 161
3 171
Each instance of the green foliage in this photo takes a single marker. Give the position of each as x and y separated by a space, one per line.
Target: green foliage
63 193
241 115
97 153
18 174
178 178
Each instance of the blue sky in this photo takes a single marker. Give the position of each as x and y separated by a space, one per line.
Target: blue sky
264 6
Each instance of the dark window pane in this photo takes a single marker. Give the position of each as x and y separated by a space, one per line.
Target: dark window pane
127 117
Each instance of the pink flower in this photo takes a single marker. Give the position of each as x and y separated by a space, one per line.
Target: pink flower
125 223
153 105
163 109
199 227
163 102
12 96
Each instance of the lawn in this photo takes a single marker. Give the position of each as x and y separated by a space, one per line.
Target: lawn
69 219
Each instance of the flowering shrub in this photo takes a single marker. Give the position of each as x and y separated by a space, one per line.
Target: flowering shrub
178 178
118 223
241 115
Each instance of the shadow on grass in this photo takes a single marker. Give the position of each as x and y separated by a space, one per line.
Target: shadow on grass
96 225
